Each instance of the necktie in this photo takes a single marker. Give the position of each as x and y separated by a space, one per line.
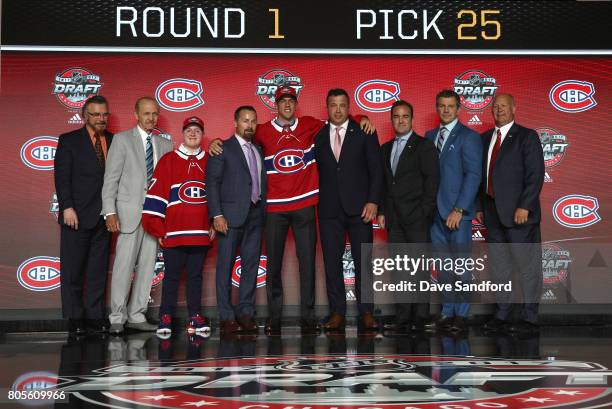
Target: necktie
441 137
398 152
149 159
254 174
494 153
99 151
338 144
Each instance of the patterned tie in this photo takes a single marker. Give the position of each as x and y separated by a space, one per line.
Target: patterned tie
441 137
149 159
338 144
99 151
494 153
398 152
254 174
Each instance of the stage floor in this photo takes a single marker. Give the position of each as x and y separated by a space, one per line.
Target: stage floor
561 367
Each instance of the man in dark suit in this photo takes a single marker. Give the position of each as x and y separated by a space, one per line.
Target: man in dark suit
350 185
412 176
513 170
84 241
460 153
236 188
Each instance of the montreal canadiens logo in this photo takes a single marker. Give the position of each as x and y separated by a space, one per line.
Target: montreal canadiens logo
359 381
268 83
39 153
377 95
573 96
39 273
576 211
288 161
74 86
554 146
476 89
192 192
555 263
35 381
261 272
179 94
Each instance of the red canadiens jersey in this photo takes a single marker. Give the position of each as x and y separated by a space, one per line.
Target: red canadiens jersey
293 180
176 206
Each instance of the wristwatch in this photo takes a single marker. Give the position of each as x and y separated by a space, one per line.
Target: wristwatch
458 210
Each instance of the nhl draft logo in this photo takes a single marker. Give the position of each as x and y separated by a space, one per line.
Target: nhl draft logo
74 86
179 94
554 146
572 96
576 211
192 192
268 83
476 89
39 273
555 263
361 381
478 231
39 153
377 95
54 205
160 268
261 272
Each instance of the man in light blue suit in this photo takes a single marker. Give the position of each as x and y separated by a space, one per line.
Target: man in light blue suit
460 152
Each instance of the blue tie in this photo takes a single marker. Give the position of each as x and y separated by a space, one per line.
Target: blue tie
149 159
398 152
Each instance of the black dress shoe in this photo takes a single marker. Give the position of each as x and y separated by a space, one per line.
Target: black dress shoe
459 324
419 324
442 323
496 325
273 327
76 327
523 327
310 325
97 325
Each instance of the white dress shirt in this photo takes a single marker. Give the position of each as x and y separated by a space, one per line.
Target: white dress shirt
143 136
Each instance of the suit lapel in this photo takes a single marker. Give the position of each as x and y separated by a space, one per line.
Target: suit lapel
387 155
410 147
326 144
138 148
507 143
346 143
88 148
240 153
452 138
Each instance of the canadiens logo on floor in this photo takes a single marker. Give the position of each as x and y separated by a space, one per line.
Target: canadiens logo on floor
179 94
39 153
261 271
39 273
337 381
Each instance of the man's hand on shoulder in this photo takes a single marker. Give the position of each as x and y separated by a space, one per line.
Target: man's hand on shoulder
215 147
367 126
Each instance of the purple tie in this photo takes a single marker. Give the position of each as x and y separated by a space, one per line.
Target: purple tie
254 173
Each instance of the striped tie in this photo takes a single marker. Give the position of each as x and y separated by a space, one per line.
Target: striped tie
441 137
149 159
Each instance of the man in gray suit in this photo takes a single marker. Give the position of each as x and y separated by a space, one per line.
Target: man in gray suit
129 169
236 190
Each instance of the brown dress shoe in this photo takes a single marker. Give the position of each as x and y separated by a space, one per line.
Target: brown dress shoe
247 323
230 326
368 322
336 322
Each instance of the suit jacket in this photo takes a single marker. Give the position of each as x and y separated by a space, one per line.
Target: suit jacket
125 179
228 183
460 170
411 192
518 174
79 176
354 180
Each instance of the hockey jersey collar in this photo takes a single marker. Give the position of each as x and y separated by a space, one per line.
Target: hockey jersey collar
280 128
183 153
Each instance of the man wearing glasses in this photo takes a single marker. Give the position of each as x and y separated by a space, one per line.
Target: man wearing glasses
129 173
84 240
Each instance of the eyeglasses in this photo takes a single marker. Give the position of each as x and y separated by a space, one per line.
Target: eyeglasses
98 114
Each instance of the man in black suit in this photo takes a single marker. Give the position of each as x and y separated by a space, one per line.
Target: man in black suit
412 176
84 240
350 185
236 187
513 175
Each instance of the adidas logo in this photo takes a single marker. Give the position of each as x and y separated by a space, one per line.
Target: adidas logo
547 178
475 120
549 295
477 235
350 296
75 119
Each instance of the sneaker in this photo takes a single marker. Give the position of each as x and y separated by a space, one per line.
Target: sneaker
165 326
197 323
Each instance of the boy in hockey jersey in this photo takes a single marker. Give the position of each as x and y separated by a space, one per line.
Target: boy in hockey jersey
176 212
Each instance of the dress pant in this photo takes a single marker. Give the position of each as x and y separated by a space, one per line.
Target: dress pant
176 259
247 238
514 250
135 255
333 239
417 232
84 268
304 227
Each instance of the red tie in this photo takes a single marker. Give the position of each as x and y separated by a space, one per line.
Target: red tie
496 147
